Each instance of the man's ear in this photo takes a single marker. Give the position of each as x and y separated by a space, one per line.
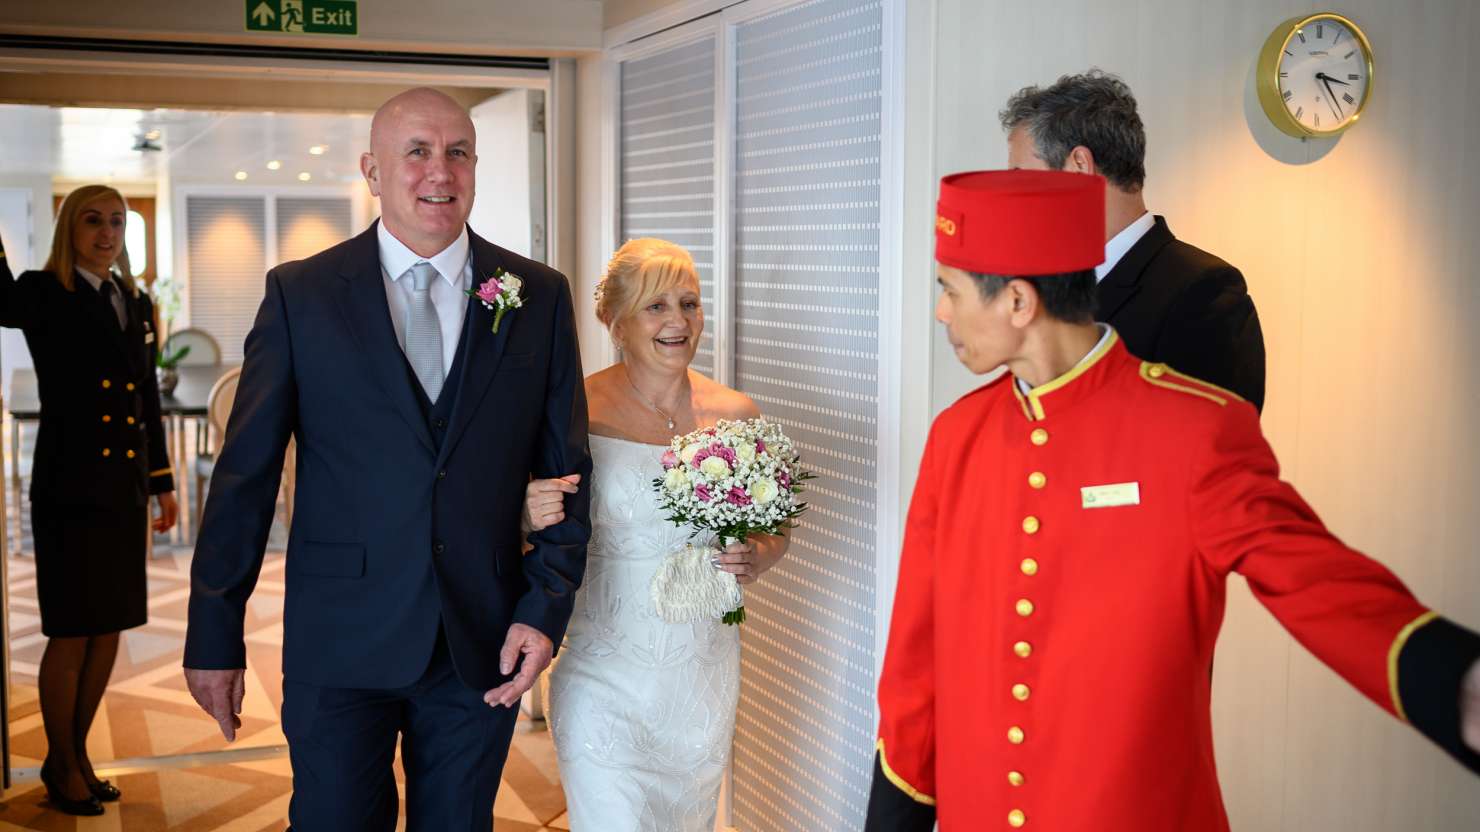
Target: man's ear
371 171
1080 160
1025 302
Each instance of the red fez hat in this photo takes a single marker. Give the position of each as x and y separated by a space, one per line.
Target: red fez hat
1018 223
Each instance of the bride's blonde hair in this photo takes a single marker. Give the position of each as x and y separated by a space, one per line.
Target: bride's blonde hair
641 270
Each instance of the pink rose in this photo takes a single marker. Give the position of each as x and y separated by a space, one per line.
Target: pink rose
760 446
670 459
737 497
703 454
702 492
490 290
723 452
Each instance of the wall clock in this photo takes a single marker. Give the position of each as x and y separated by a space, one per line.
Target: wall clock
1315 75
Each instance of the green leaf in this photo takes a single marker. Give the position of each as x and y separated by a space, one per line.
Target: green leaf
168 361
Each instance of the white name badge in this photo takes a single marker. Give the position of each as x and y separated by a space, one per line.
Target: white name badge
148 337
1110 496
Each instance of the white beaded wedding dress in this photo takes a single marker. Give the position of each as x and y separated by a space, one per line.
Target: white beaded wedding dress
642 711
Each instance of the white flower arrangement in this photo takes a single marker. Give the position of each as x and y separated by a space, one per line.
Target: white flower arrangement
736 479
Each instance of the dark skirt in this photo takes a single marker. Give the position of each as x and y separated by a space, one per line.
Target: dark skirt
90 561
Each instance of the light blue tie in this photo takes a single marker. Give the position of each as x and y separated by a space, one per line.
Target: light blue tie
424 331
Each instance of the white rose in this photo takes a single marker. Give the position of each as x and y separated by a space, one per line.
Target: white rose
764 491
715 467
745 453
676 479
689 452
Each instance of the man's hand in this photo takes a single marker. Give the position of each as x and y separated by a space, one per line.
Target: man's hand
219 693
537 650
169 512
1469 708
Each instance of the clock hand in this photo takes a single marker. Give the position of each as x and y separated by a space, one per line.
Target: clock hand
1324 77
1331 99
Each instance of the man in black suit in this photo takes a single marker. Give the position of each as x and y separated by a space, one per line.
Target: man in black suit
1170 301
409 606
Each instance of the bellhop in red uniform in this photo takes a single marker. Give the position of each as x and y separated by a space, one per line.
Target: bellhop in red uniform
1067 549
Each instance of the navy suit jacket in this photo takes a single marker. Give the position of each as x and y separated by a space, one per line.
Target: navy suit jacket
392 537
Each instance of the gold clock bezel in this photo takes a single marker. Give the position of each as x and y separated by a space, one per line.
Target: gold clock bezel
1267 78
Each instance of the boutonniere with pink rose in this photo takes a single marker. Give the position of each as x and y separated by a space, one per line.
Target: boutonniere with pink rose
500 293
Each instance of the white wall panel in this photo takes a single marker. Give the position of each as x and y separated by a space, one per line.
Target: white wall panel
807 273
666 185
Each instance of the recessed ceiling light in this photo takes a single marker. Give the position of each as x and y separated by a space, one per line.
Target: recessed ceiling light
274 165
317 150
152 135
304 177
240 175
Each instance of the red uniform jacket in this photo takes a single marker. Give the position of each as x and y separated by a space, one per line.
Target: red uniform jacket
1061 590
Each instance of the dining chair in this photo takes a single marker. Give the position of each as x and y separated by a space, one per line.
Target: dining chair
218 408
204 351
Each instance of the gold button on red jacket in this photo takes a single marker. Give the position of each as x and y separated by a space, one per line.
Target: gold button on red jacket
1053 696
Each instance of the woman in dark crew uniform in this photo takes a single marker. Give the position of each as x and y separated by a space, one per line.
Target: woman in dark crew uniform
100 455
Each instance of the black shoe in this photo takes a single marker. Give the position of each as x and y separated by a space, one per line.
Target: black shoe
104 791
89 807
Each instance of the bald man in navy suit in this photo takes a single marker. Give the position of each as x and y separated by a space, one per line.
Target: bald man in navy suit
410 610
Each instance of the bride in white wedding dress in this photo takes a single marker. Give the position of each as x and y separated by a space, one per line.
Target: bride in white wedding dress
643 711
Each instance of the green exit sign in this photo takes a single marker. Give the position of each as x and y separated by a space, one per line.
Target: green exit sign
304 17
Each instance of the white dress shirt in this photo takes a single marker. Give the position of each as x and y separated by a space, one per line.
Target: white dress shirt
118 303
449 295
1122 242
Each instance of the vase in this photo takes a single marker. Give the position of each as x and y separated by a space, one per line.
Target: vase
168 378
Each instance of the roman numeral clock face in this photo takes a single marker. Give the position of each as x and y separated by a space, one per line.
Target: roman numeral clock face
1314 75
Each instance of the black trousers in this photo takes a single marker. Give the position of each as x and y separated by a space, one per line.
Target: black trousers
342 744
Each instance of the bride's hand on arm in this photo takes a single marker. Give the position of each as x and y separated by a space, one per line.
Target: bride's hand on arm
544 501
748 560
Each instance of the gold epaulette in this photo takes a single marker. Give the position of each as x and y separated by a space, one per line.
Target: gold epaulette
1163 376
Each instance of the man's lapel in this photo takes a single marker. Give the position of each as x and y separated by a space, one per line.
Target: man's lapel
362 301
484 349
1124 281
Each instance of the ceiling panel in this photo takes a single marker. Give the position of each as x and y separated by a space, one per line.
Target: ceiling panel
76 143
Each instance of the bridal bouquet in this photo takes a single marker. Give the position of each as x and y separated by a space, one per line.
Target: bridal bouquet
731 481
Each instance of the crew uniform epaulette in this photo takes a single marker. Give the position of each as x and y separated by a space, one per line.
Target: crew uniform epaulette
1160 375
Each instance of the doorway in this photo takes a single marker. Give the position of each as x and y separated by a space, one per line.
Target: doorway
221 188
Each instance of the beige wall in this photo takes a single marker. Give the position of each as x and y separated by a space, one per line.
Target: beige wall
1359 254
625 11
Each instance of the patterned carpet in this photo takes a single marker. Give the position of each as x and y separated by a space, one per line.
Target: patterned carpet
148 713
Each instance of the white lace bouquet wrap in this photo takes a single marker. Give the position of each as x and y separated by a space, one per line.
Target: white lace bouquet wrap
736 479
